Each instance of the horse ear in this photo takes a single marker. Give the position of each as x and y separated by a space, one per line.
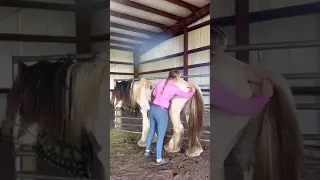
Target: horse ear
115 82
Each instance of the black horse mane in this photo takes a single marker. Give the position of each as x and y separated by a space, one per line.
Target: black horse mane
122 91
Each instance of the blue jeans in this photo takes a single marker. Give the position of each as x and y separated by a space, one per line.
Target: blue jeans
158 122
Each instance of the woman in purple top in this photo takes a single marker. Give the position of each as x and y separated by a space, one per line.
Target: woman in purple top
222 98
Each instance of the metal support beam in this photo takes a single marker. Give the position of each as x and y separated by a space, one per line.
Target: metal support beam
136 59
295 76
242 28
154 78
15 59
274 46
83 26
185 52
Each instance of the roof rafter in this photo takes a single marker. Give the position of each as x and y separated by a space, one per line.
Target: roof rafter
139 20
191 7
37 5
148 9
135 38
123 43
121 48
129 28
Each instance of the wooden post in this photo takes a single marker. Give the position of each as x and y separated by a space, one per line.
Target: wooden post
185 53
117 118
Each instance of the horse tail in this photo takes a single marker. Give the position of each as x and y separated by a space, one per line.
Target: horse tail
13 100
279 143
196 116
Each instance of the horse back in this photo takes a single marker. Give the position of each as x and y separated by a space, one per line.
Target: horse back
177 102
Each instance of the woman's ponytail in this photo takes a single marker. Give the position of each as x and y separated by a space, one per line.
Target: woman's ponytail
165 84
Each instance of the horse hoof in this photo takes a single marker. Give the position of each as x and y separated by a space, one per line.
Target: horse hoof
171 150
194 152
142 143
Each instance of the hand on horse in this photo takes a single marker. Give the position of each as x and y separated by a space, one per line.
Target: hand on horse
267 87
191 87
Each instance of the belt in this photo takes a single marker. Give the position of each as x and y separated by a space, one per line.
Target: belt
158 106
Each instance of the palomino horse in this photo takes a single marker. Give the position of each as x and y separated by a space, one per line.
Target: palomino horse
193 107
58 105
268 146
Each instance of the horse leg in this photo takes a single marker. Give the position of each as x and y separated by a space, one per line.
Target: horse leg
248 175
195 148
145 129
178 130
226 133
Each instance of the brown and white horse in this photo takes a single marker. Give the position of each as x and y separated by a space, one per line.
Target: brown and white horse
71 113
268 145
132 93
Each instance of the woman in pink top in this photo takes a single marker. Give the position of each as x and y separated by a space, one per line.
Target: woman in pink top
164 92
222 98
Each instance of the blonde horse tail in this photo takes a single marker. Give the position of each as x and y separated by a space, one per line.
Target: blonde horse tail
279 145
196 116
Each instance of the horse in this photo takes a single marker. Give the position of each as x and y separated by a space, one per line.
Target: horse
55 107
267 146
139 93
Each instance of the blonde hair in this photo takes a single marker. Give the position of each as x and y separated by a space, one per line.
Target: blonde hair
218 40
172 75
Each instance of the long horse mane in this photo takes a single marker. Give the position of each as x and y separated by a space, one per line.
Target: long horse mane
122 91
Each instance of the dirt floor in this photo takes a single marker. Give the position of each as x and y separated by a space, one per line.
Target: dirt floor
127 161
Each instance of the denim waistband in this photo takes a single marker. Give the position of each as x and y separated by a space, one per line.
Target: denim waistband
158 106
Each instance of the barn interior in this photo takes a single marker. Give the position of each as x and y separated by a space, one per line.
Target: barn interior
144 38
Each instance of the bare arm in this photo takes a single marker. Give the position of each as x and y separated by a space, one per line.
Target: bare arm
226 100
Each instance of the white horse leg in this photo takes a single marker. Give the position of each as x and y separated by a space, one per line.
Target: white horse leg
145 129
178 131
226 133
195 149
16 128
248 175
